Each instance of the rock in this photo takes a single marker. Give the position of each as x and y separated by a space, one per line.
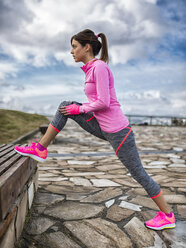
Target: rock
177 166
145 202
154 166
47 198
136 191
108 167
80 181
128 182
103 195
75 196
181 210
179 199
67 189
99 233
52 179
58 240
117 213
178 149
39 225
182 190
72 162
175 184
109 203
159 178
129 205
82 174
123 197
104 183
141 236
74 211
176 236
159 163
177 161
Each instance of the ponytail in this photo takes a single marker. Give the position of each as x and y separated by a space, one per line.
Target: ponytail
104 48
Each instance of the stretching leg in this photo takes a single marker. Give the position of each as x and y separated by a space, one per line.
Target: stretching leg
124 145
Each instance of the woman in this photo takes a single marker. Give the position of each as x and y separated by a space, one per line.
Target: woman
102 117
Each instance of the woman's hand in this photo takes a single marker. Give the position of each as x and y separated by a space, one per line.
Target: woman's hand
72 109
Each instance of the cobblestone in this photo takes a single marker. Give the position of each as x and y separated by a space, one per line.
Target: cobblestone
86 197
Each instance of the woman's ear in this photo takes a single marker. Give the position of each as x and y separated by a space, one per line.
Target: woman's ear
88 47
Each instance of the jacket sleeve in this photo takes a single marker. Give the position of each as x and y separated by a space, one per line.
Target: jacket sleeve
101 75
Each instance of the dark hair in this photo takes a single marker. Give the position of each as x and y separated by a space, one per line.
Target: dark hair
88 36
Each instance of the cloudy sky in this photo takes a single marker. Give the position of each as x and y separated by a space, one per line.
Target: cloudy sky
147 49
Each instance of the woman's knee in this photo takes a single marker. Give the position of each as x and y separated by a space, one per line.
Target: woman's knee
64 103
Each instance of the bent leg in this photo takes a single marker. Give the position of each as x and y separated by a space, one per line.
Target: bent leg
87 121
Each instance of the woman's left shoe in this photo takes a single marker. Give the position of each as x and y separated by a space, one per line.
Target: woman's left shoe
32 151
161 221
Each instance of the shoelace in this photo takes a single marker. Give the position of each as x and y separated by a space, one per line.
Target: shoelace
158 216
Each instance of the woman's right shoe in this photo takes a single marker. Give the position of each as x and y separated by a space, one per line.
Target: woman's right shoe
32 151
161 221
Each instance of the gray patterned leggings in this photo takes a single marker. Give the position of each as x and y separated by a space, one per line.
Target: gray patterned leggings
123 143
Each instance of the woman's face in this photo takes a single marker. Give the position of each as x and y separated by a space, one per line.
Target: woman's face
78 52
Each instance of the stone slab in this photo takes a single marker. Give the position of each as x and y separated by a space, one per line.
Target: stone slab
159 163
52 179
58 240
80 181
176 236
74 211
182 210
130 206
173 199
39 225
108 167
141 236
72 162
145 202
127 182
136 191
47 199
182 190
99 233
103 195
116 213
104 183
70 189
108 204
83 174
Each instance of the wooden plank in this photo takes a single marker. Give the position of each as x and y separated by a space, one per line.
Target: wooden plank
5 147
13 181
7 157
6 151
8 162
2 145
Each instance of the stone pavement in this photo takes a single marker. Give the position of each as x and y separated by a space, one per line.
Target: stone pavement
86 198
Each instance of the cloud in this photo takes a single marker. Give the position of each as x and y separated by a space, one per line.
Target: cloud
146 46
7 69
41 29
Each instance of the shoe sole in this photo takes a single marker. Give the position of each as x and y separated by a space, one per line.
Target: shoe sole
38 159
168 226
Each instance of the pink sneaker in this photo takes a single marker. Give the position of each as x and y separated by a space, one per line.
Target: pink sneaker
161 221
32 151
